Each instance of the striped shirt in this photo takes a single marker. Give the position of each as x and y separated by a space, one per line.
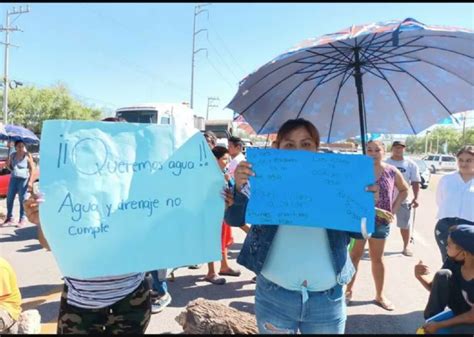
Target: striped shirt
101 292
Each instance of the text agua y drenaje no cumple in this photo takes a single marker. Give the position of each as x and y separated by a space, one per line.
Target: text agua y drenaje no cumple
108 165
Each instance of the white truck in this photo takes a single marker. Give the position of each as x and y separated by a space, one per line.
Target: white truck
183 119
440 162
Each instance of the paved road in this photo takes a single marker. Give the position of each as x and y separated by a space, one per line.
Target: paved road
40 281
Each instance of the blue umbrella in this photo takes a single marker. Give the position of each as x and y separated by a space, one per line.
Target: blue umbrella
16 132
389 77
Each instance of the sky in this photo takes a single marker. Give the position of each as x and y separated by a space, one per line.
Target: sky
112 55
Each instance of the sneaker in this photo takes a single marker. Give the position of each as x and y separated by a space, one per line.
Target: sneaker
407 252
22 223
9 222
159 304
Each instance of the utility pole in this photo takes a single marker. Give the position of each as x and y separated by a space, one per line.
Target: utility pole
197 10
7 29
426 141
464 129
210 101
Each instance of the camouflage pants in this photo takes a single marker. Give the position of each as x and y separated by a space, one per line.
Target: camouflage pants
130 315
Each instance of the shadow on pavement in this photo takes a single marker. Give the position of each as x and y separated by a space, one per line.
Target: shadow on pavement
385 324
39 290
22 234
185 289
30 248
49 311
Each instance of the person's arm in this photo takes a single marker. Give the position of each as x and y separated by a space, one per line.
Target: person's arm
31 206
31 169
421 272
416 190
235 214
415 184
9 162
402 187
466 318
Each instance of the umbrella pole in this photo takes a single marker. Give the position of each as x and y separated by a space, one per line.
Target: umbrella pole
360 98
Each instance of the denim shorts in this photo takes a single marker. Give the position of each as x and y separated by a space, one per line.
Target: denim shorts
279 310
381 232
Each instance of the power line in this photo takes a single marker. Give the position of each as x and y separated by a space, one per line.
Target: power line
227 49
220 74
223 61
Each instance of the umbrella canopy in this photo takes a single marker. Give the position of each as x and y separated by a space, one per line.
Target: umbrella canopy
390 77
16 132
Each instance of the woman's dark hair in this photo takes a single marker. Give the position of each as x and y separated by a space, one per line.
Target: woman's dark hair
293 124
210 137
219 151
466 149
236 141
19 142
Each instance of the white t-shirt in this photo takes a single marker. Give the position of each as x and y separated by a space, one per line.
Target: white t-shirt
234 162
455 198
408 169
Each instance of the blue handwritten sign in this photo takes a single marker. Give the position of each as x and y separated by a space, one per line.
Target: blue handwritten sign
123 197
304 188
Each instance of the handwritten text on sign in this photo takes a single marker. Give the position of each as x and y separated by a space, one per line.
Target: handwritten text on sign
304 188
122 197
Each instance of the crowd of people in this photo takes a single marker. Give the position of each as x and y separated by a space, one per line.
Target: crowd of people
304 275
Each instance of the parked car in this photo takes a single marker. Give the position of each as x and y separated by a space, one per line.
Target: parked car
439 162
425 173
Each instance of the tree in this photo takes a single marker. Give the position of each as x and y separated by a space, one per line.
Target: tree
437 138
30 106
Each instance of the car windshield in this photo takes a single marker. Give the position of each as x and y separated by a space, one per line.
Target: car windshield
139 116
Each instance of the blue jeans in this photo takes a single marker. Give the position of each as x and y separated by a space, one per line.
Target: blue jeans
279 310
159 285
16 185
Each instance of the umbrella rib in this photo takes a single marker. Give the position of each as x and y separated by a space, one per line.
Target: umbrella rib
382 68
376 37
284 99
324 55
340 52
329 79
439 48
276 84
334 67
286 64
372 53
424 86
428 62
396 95
313 90
377 49
430 36
343 81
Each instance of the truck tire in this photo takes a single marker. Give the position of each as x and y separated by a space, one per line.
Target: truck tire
433 169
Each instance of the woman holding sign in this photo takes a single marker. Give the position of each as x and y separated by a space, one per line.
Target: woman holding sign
300 270
388 177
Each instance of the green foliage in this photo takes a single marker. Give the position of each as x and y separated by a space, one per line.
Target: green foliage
439 136
30 106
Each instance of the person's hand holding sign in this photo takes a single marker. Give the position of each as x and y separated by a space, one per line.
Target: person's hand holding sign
242 174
